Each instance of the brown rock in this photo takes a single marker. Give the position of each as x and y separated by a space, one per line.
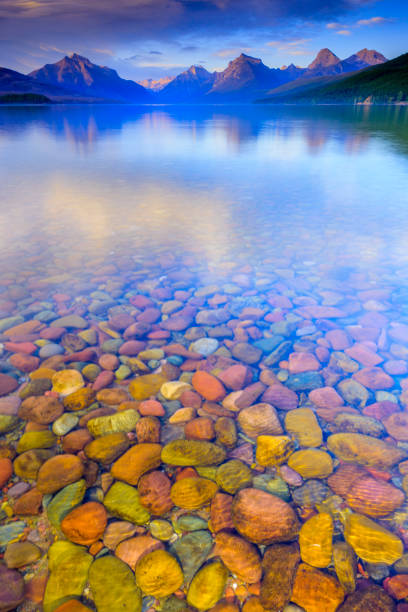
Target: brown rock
279 563
29 503
239 556
8 384
6 470
221 512
281 397
24 363
148 430
43 409
263 518
58 472
302 362
374 379
154 490
76 440
201 428
370 599
259 419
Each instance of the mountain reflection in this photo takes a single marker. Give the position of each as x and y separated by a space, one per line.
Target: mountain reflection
237 127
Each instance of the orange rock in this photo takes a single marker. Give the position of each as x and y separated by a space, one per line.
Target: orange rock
221 512
316 591
28 327
151 408
225 606
133 549
58 472
43 410
154 490
76 440
6 470
73 605
208 386
85 524
397 426
201 428
253 605
24 363
239 556
343 478
35 588
263 518
137 461
374 497
148 430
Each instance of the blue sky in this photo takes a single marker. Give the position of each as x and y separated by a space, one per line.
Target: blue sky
156 38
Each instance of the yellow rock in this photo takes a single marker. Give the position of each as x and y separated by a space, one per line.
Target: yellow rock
144 387
193 493
148 354
173 389
345 564
311 463
42 373
303 425
65 382
124 421
371 542
207 586
79 400
364 450
182 415
158 574
104 326
192 452
273 450
316 540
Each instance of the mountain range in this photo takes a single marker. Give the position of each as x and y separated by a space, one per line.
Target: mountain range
246 79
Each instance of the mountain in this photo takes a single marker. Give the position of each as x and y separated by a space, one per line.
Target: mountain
155 84
189 86
382 83
325 63
78 74
363 59
15 83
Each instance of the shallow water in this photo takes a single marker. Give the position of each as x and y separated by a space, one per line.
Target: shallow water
292 222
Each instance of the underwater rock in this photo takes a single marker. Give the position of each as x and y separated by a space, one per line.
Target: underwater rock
316 540
158 574
279 564
316 591
193 493
371 542
239 556
207 586
192 452
364 450
137 461
113 586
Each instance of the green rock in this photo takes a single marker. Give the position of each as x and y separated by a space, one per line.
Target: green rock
192 550
11 532
113 586
36 439
233 476
19 554
192 452
8 422
112 346
91 371
190 522
124 421
27 464
275 485
9 322
69 566
279 353
64 501
90 336
123 501
35 388
70 321
122 372
160 529
64 424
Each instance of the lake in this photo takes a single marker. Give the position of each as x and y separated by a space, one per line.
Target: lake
229 284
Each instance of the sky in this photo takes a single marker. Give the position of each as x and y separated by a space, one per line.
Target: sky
156 38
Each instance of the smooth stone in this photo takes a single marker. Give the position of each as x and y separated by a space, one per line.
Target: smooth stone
371 542
8 384
204 346
306 381
19 554
36 440
120 422
113 586
123 501
207 586
11 531
70 321
64 501
49 350
64 424
8 422
11 589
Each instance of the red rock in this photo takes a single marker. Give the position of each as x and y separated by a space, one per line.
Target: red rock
8 384
363 334
76 440
104 379
24 363
374 379
363 355
221 512
302 362
151 408
6 470
28 327
338 339
107 361
326 397
9 405
373 319
190 399
140 301
248 396
208 386
150 315
121 321
160 334
375 498
154 489
20 347
398 332
381 410
136 330
235 377
132 348
179 349
344 477
88 354
201 428
281 397
279 301
397 586
397 426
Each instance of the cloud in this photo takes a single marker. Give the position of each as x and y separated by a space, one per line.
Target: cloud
232 52
344 32
103 51
374 21
155 53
